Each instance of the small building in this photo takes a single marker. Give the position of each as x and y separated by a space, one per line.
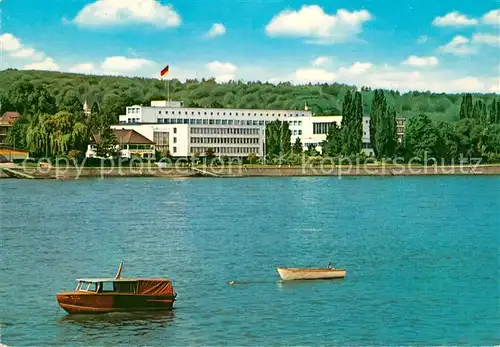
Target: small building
129 144
6 122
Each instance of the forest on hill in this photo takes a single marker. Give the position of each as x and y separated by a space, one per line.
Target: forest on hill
445 126
323 99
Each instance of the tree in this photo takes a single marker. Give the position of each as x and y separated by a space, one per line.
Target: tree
16 137
311 151
332 146
494 117
347 123
421 138
71 103
55 135
468 133
252 158
447 149
297 146
210 153
479 113
466 108
106 144
278 139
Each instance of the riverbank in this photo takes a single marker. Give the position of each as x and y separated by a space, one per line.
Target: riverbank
246 171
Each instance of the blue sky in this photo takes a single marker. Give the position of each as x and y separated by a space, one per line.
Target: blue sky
445 45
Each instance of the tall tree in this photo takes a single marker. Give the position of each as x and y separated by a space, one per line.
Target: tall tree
479 113
278 139
297 146
494 117
332 146
357 125
466 108
347 123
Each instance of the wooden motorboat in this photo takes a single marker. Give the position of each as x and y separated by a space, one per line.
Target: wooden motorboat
105 295
288 274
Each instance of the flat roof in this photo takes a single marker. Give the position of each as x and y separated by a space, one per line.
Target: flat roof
94 280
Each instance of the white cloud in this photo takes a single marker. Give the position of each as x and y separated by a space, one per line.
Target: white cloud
13 46
314 75
486 39
118 65
48 64
222 72
23 53
454 19
413 60
9 43
492 18
217 29
82 68
116 12
355 69
312 23
401 78
459 45
422 39
321 61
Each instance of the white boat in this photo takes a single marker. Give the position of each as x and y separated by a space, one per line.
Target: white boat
288 274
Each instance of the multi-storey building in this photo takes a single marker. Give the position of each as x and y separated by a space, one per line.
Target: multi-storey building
188 131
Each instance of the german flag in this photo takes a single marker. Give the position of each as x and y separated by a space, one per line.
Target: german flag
164 71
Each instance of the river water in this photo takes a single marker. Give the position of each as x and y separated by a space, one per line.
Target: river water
421 253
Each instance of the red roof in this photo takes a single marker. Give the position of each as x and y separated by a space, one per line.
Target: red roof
10 117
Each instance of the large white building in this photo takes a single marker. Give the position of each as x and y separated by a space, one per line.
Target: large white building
187 131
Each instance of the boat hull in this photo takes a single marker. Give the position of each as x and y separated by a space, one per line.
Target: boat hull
77 302
290 274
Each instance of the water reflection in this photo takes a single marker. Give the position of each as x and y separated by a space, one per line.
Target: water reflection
164 318
304 283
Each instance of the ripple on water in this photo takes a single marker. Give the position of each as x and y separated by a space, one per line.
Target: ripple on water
422 259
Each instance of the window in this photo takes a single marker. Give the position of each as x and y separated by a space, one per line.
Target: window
174 149
211 121
159 112
175 130
261 122
321 128
300 122
300 132
218 121
175 139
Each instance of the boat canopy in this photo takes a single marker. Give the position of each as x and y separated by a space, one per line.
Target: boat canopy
98 280
134 285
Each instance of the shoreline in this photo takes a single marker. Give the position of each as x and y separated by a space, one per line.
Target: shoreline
65 173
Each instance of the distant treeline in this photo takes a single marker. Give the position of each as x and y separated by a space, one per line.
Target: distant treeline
53 124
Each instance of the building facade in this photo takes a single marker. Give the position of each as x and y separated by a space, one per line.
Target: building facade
129 144
188 131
